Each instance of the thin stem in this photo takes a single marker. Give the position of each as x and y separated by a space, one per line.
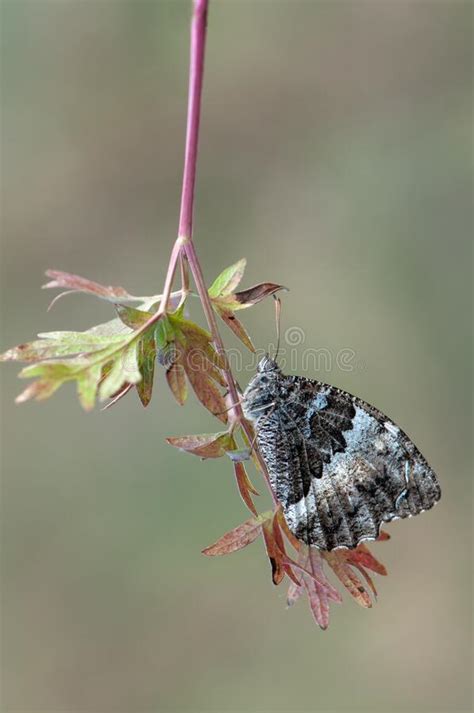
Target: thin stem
196 72
210 315
170 273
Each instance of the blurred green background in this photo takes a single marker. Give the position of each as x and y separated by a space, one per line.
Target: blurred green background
334 156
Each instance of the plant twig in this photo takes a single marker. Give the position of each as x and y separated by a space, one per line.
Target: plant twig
196 72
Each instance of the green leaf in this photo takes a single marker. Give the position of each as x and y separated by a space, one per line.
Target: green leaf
228 280
146 351
124 370
165 333
53 345
131 317
52 374
98 363
39 390
87 386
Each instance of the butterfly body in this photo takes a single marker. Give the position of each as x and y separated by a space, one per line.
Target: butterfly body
339 467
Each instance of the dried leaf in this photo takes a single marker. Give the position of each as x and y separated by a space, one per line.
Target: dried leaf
255 294
228 280
278 537
239 537
246 298
204 445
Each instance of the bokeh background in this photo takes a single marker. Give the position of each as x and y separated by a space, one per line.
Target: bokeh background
335 157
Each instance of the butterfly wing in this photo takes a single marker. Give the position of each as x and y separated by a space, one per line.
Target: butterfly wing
339 467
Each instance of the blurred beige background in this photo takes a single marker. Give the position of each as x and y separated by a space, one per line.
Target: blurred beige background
335 157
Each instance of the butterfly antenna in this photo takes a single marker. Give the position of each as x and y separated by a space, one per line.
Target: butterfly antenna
278 323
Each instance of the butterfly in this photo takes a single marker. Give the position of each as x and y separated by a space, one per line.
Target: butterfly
338 466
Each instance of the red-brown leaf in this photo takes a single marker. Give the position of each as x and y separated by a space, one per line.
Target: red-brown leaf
237 327
239 537
286 563
245 486
367 578
175 376
318 589
294 593
198 360
207 392
337 561
76 283
318 601
362 556
204 445
274 554
198 340
288 534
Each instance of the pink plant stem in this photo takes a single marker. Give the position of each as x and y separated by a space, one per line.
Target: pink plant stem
196 73
170 273
185 231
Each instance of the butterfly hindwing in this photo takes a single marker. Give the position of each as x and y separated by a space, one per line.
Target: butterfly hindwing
339 467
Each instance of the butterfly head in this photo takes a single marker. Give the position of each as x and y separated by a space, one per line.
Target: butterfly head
259 396
267 365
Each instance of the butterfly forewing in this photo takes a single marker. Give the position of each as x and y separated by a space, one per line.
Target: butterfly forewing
339 467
